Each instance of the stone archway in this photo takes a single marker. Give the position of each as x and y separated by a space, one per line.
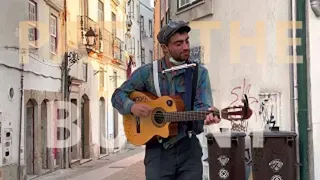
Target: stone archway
85 127
31 114
103 129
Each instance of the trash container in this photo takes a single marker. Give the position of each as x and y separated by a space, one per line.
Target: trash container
276 159
226 162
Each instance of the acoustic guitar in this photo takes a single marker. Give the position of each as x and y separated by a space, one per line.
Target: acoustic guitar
167 112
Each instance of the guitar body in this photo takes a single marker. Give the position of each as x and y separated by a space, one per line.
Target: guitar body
141 130
167 111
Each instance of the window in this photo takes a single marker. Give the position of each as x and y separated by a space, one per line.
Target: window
32 22
132 48
114 32
132 9
162 23
138 49
167 16
115 77
151 55
141 23
137 11
186 3
143 60
53 34
114 25
150 27
101 13
101 77
159 51
85 71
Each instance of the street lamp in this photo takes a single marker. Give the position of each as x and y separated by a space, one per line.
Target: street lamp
90 37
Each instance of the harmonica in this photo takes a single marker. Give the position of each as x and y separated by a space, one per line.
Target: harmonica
174 68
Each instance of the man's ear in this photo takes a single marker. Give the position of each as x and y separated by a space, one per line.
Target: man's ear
164 48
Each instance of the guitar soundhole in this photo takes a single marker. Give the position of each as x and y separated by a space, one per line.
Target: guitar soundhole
159 117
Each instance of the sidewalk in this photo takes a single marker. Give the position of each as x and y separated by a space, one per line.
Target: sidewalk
99 169
133 172
108 170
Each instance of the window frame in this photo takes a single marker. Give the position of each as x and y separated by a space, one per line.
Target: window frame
53 34
186 5
33 23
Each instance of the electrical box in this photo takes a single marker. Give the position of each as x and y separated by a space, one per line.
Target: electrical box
1 137
7 146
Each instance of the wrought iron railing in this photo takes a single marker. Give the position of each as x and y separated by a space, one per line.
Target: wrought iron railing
107 43
85 23
119 49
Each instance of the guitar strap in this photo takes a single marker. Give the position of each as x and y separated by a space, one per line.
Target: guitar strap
190 86
155 78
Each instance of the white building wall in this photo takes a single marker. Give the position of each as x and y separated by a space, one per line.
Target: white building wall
41 61
313 27
229 80
146 10
42 72
92 87
10 108
133 43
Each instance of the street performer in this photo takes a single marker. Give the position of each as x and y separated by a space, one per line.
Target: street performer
178 157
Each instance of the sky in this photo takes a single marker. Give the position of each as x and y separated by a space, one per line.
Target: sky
152 3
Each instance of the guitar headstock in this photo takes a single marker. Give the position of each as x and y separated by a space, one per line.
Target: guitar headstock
236 113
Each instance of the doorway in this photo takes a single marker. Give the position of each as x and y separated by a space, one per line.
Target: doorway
44 135
85 126
74 118
115 116
31 115
103 131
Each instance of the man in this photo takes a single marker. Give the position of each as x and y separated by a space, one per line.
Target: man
177 157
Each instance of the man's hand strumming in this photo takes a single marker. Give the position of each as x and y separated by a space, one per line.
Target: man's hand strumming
141 110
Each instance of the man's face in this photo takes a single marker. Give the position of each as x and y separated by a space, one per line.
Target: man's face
179 47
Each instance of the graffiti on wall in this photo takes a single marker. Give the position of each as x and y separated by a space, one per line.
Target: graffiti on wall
196 54
237 93
269 111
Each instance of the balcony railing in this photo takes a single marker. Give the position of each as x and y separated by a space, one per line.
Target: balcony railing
119 49
107 43
85 23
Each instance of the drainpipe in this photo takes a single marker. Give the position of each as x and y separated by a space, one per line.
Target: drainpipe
302 82
20 120
293 79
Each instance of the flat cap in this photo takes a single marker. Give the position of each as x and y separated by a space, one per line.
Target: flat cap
169 29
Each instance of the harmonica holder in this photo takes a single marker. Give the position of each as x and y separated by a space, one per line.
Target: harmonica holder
175 68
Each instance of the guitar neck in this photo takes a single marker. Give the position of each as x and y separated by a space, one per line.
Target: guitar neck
188 115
